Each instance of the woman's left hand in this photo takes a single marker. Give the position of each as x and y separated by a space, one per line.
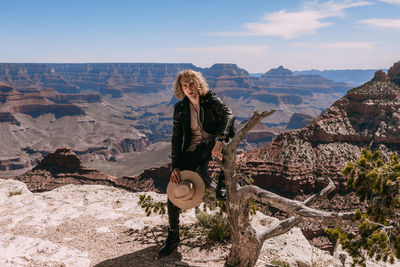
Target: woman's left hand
216 151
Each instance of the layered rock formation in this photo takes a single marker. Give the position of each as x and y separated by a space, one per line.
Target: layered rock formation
298 121
228 80
380 76
14 163
279 73
35 75
394 73
60 168
59 110
118 79
353 77
35 121
260 133
8 117
368 116
291 99
5 91
63 167
283 80
125 77
102 110
62 160
36 102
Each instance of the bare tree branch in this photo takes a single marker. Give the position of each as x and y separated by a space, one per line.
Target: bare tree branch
287 224
256 118
281 228
323 193
292 207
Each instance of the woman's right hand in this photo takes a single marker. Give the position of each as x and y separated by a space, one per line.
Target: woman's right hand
175 177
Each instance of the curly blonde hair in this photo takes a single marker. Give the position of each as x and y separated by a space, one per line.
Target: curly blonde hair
197 78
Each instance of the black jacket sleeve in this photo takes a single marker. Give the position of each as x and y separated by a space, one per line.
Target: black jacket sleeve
176 140
226 118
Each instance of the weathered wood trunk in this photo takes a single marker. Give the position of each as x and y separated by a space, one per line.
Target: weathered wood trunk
246 247
244 252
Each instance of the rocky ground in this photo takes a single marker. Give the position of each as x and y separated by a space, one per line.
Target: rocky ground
95 225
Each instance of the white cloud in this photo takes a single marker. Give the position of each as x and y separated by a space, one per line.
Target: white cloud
244 49
294 24
394 2
383 23
287 25
334 8
338 45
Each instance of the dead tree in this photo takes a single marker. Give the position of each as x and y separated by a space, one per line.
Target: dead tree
246 241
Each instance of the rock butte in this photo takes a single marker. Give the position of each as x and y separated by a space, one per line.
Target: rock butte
63 167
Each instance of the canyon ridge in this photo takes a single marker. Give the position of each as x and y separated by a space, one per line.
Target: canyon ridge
111 113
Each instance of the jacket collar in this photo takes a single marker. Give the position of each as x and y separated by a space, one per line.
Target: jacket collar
203 98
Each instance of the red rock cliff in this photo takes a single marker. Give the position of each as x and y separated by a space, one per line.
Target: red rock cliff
368 116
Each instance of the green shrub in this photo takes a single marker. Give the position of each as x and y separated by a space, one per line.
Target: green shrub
377 184
215 225
280 263
149 205
15 193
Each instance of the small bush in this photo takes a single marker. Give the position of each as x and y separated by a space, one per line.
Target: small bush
149 205
280 263
14 193
215 226
188 233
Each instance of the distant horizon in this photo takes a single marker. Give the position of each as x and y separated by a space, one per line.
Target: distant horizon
195 65
256 34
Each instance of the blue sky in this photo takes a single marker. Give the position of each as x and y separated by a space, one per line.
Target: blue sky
257 35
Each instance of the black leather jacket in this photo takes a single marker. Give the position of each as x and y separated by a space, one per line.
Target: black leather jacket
216 118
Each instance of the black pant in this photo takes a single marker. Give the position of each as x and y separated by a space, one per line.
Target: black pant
173 211
193 164
193 161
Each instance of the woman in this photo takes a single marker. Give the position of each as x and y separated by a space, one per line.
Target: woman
201 123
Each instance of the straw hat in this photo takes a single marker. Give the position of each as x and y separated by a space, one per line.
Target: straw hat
189 192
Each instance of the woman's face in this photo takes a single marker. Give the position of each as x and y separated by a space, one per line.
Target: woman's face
189 88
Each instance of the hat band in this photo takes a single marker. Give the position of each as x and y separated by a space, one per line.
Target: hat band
184 190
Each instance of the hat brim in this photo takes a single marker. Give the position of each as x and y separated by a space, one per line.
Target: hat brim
197 198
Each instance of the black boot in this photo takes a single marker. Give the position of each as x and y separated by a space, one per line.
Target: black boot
220 192
171 244
172 241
